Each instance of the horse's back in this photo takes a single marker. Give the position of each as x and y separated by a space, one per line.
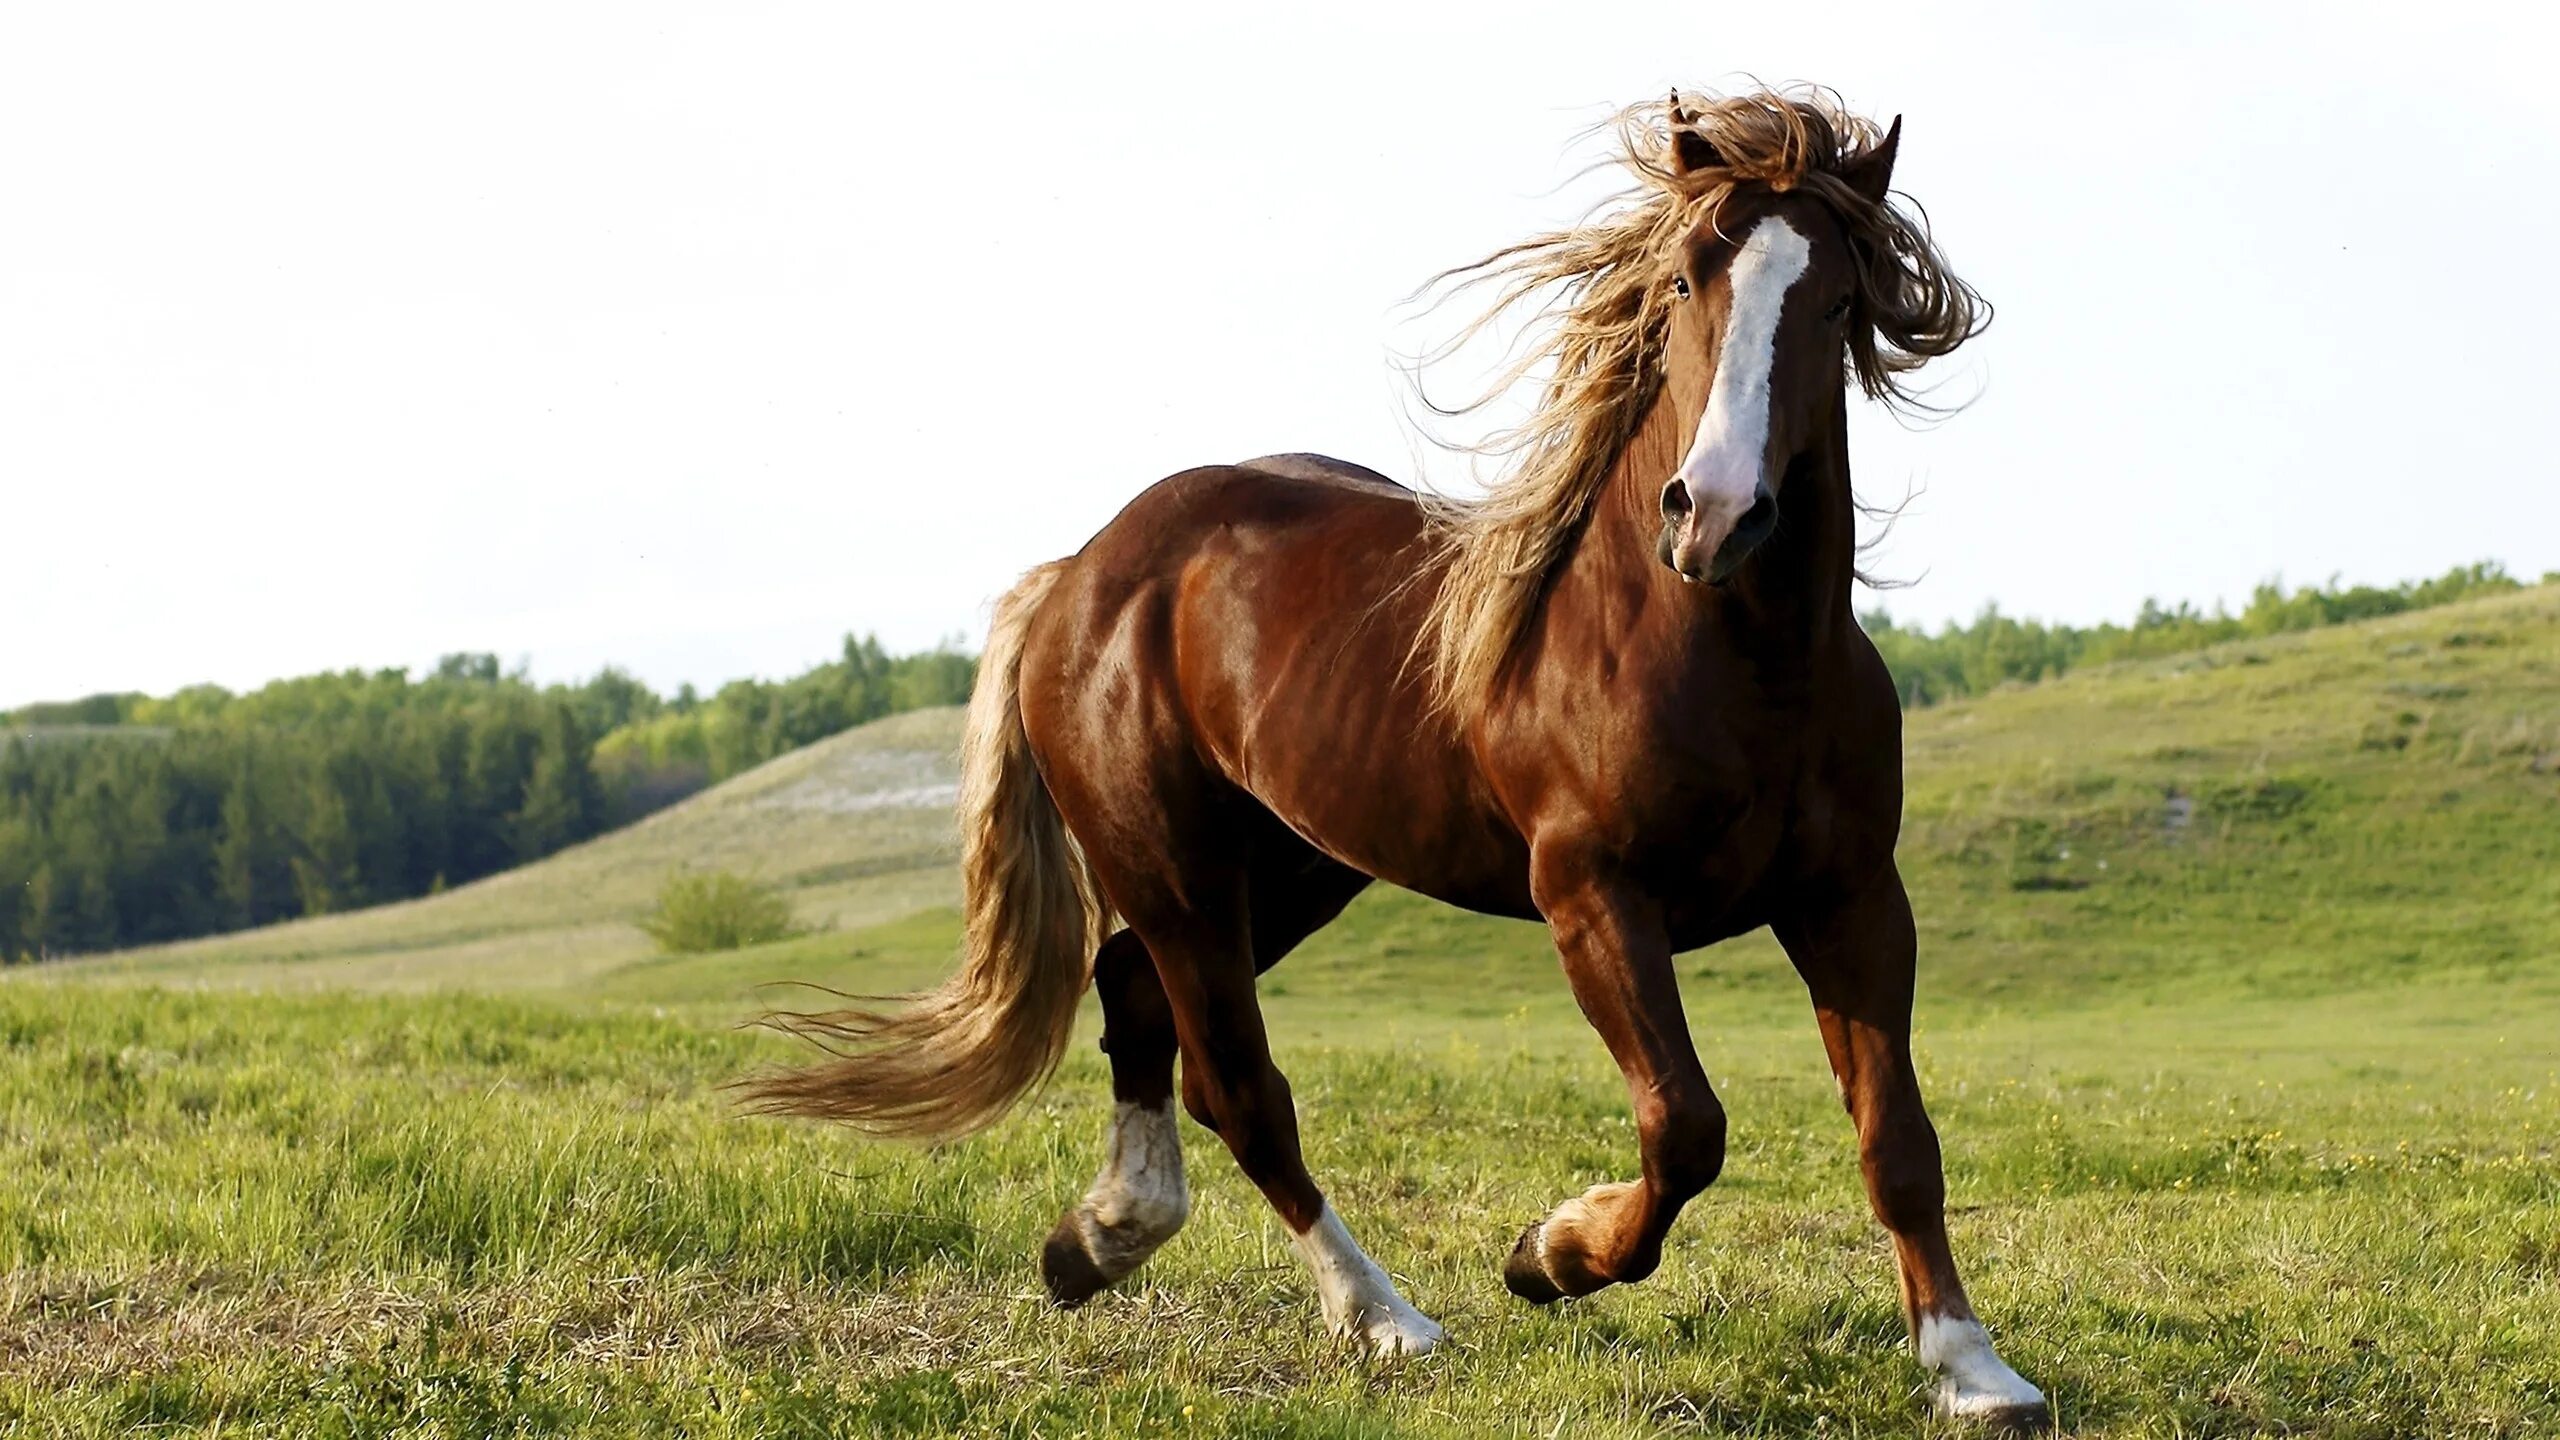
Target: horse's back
1323 517
1254 624
1322 469
1252 551
1294 494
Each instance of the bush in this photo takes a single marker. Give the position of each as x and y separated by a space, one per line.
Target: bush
715 910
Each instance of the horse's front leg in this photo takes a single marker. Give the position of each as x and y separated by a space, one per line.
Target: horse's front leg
1617 954
1857 957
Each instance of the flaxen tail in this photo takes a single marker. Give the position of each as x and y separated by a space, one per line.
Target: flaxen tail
954 1059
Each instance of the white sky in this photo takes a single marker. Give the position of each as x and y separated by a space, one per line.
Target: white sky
691 338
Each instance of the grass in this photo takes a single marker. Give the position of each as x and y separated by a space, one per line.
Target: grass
2240 1017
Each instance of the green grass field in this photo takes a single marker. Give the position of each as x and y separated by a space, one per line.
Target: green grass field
2240 1016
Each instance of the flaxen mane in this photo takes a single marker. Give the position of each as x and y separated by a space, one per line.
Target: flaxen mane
1600 289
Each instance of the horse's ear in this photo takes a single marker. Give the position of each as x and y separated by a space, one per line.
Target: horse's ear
1872 175
1691 152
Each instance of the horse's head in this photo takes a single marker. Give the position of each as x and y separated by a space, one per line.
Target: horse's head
1711 315
1768 287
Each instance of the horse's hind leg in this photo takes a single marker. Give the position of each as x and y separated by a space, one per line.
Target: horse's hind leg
1207 952
1140 1198
1295 891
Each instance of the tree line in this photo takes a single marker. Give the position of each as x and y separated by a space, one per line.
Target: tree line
681 744
1996 649
127 819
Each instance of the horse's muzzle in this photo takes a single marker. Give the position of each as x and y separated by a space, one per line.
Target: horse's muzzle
1697 547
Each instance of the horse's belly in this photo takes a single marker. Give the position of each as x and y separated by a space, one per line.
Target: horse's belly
1412 829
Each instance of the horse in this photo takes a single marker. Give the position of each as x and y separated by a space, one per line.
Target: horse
1623 692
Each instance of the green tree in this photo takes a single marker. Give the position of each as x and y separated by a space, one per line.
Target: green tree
35 913
236 850
562 802
324 865
613 699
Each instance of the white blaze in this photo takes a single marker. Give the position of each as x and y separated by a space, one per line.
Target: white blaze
1722 469
1360 1303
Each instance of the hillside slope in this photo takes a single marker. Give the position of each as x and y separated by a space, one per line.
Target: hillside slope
2370 802
857 827
2330 808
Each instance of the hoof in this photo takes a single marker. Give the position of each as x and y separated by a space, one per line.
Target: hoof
1400 1333
1555 1259
1525 1273
1068 1268
1358 1300
1975 1386
2033 1418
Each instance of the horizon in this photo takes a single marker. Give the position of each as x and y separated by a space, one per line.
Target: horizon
523 668
348 341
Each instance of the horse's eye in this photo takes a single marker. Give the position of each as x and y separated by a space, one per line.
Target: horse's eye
1680 286
1839 307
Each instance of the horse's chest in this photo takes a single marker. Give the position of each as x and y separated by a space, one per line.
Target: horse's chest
1708 858
1716 827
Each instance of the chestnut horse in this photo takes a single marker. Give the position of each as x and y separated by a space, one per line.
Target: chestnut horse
1622 693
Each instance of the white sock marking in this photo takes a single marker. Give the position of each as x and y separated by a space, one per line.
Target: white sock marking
1722 469
1141 1196
1972 1378
1360 1303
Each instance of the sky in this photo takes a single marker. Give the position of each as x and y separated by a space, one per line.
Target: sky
691 338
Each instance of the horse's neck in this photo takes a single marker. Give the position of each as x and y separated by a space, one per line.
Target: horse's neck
1794 590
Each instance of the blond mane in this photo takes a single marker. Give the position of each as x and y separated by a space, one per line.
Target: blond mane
1605 309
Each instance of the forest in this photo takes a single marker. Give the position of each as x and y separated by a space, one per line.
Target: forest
127 819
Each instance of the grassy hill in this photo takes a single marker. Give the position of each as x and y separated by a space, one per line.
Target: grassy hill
856 826
2240 1015
2329 807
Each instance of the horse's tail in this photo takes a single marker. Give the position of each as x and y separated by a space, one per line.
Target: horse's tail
953 1059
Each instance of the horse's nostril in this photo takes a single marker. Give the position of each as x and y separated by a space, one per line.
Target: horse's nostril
1675 500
